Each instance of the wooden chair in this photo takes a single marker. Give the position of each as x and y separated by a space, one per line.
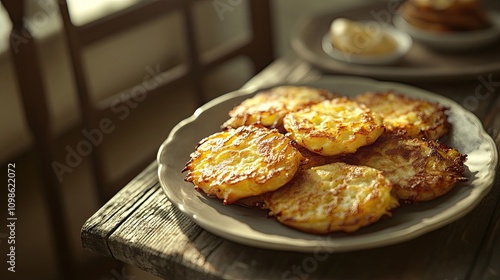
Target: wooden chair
34 100
258 49
33 93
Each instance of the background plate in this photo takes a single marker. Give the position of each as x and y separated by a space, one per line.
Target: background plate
458 41
419 64
252 227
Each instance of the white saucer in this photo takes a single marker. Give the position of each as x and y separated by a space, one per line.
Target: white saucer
403 41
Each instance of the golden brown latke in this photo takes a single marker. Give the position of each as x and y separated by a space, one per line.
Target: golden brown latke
405 115
243 162
420 170
332 197
334 126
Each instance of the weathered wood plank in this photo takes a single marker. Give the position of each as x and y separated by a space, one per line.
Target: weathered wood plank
157 237
487 265
99 226
160 239
488 260
289 69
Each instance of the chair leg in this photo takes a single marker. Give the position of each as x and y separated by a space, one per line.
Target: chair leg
54 201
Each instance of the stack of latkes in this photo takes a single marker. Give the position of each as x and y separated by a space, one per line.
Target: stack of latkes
320 162
446 15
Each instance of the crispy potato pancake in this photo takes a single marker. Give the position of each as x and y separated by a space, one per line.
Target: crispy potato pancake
334 126
420 170
403 114
269 107
243 162
332 197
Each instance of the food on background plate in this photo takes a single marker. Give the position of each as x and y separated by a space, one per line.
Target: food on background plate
304 188
334 126
402 114
359 38
445 16
332 197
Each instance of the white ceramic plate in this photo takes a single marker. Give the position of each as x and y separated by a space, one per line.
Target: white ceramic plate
403 41
252 227
458 41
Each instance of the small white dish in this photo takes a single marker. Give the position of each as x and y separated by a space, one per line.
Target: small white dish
457 41
403 46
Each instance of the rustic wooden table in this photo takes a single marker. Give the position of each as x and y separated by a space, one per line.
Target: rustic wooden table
140 226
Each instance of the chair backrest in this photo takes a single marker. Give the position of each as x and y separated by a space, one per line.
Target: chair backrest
258 48
36 111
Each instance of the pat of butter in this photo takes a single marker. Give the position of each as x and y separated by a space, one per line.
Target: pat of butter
360 38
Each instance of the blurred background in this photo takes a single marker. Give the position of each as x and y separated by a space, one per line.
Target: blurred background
112 64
